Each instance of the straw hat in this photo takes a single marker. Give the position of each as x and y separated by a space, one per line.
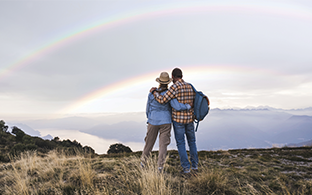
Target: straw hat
164 78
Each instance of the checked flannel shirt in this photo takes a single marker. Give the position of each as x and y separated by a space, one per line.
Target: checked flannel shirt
184 94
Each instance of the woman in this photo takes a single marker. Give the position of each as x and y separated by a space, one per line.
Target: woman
159 120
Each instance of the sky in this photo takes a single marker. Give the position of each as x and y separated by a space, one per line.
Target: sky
63 58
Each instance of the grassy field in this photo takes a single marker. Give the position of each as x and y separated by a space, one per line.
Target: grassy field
244 171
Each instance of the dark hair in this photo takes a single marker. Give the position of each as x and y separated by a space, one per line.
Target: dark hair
177 72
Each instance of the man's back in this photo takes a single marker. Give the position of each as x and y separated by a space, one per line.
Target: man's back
184 94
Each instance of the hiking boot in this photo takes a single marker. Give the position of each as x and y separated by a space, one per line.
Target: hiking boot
186 173
195 170
160 169
142 165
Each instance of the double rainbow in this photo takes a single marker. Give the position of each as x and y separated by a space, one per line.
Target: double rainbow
164 10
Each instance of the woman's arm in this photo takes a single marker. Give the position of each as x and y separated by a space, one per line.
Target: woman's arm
179 106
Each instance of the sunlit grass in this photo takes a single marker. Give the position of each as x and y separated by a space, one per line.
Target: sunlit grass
277 171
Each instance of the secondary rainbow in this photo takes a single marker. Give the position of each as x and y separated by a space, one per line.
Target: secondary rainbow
152 12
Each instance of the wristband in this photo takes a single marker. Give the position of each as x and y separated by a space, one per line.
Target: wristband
153 91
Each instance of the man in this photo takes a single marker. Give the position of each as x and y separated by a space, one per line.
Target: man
183 121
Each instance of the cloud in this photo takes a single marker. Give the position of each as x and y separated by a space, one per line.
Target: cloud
259 57
221 129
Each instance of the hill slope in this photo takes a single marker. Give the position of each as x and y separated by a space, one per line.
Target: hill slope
247 171
17 142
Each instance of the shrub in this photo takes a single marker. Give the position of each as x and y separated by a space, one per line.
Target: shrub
4 158
88 150
3 127
31 147
19 133
27 139
44 144
17 149
118 148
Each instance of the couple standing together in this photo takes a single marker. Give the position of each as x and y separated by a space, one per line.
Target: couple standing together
166 106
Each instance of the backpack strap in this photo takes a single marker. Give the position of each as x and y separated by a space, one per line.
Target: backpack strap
197 123
193 87
195 120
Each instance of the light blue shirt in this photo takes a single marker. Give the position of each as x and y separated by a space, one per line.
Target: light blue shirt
159 114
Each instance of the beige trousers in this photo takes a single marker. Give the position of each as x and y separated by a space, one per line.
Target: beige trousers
164 141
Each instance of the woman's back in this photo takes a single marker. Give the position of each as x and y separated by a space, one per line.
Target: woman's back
158 114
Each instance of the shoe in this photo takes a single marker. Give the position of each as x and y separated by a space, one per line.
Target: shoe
160 169
186 173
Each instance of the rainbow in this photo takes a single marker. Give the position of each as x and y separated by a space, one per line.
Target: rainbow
108 90
191 7
190 72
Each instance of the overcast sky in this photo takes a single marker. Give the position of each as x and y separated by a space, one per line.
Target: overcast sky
66 57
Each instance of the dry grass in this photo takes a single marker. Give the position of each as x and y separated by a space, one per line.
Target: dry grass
153 182
31 174
210 181
220 172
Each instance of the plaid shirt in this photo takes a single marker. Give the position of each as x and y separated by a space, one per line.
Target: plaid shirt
184 94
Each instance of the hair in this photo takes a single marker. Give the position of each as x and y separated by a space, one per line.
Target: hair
162 87
177 72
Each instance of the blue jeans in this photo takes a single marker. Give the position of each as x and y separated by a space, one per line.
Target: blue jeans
180 130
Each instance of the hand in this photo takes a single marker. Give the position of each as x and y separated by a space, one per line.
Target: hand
152 89
191 104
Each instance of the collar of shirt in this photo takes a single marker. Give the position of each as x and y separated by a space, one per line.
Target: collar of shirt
179 81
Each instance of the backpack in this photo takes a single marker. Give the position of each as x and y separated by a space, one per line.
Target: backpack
201 106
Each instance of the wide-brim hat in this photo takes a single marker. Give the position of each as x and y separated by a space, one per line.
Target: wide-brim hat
164 78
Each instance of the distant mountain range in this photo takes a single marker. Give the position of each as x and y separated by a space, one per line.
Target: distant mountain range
254 128
233 128
307 143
